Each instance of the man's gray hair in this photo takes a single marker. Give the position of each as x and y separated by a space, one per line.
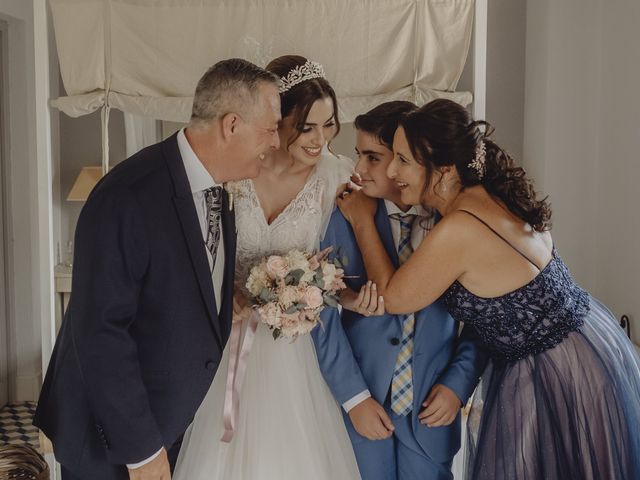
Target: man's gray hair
228 86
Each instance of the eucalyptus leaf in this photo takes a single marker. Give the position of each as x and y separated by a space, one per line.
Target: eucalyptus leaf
266 295
292 309
330 301
293 278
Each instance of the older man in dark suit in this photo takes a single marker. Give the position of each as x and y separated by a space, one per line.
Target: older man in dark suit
152 286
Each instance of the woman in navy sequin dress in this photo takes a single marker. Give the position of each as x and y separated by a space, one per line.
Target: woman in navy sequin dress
561 397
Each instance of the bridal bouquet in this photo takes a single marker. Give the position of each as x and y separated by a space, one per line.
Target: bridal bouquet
289 291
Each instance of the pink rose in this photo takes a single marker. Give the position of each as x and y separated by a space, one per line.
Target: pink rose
289 320
277 267
337 285
312 296
313 263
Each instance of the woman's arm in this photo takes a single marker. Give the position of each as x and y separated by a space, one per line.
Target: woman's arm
433 267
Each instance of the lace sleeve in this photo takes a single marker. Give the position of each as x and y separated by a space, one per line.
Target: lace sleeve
335 170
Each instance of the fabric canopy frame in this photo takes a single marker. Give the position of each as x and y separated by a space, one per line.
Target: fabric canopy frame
145 56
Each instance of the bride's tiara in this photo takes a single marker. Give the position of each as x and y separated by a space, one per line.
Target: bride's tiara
300 74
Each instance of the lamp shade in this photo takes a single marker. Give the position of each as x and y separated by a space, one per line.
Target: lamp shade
87 179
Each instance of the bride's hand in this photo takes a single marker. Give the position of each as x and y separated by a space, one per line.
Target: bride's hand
355 205
241 308
367 302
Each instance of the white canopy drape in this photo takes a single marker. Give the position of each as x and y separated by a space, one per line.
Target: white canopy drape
145 56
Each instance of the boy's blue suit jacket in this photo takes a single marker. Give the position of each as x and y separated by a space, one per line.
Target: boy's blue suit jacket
357 353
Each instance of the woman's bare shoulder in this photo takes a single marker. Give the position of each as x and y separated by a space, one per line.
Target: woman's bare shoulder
457 224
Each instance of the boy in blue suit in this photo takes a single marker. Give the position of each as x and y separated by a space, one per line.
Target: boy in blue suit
386 370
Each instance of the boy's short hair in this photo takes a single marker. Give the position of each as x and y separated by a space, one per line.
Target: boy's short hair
382 121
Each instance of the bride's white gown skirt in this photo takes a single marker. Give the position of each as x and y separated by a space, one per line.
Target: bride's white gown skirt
289 428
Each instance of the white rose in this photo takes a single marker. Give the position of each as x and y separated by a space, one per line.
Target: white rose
329 272
297 260
307 277
270 314
258 279
288 296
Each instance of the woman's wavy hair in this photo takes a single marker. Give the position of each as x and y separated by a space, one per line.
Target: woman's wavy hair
443 133
298 100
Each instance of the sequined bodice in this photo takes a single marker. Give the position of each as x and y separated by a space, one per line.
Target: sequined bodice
528 320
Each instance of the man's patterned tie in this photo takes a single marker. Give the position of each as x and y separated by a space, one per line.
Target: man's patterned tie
402 381
213 197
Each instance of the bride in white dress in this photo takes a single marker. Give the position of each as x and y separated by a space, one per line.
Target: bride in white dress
289 425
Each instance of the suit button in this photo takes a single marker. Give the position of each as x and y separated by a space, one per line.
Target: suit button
210 365
394 341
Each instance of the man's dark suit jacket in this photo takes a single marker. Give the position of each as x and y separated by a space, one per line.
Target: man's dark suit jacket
142 339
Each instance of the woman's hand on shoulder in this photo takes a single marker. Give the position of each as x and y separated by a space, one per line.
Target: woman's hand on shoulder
355 205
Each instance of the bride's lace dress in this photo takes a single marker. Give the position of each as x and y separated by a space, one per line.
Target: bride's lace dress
290 426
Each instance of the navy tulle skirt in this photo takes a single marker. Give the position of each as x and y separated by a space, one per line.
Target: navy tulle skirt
571 412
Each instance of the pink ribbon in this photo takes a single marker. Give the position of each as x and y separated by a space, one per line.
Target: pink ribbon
238 359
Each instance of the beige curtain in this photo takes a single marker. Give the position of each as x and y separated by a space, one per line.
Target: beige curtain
145 56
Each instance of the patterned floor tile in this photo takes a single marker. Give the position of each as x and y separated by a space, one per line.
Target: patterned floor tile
15 424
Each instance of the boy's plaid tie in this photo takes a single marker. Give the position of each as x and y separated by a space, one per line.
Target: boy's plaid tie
402 381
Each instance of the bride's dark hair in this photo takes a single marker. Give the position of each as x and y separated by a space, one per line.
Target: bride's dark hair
443 133
298 100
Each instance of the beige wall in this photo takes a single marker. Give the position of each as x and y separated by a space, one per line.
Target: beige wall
616 218
506 27
580 143
561 121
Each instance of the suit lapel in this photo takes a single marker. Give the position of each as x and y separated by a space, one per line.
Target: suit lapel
383 224
183 201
